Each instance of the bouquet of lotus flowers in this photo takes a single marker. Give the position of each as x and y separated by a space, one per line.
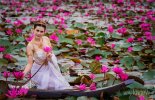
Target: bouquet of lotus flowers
15 91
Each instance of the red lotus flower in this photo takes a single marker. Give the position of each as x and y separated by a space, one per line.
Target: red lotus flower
98 58
112 46
8 56
110 29
104 69
92 76
141 97
130 49
9 32
18 31
123 76
140 39
92 86
6 74
30 37
78 41
2 48
54 37
81 86
12 93
117 70
22 91
122 30
19 75
47 49
130 40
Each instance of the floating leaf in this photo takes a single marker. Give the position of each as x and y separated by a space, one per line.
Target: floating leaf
149 75
127 61
140 64
132 97
116 36
79 25
4 42
82 98
135 85
153 60
20 38
126 45
95 67
66 40
94 52
137 48
3 61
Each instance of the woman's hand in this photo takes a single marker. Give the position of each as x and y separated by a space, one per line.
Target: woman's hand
48 56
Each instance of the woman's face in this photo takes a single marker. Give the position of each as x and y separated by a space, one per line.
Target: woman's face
39 31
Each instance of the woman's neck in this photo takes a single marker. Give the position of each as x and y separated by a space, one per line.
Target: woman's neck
37 39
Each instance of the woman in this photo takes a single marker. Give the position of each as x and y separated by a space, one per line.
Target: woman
49 76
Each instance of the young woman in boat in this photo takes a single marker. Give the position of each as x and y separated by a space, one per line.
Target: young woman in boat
49 76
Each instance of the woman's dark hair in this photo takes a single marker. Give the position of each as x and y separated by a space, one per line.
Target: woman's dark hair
40 23
44 26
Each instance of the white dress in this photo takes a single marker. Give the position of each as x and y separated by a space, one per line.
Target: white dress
49 76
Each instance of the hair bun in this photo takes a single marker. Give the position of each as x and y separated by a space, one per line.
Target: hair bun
42 22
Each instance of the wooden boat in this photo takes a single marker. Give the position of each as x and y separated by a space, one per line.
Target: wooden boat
44 94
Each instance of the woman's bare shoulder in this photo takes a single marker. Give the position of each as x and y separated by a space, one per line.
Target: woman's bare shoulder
30 45
46 38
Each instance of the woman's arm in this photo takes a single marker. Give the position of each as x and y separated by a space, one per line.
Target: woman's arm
29 51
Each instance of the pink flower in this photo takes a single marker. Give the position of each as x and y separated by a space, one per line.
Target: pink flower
147 33
116 61
117 70
2 48
98 58
150 1
9 32
130 22
41 1
12 93
112 46
89 39
19 75
8 20
120 1
104 69
47 49
86 32
145 26
60 31
18 31
130 49
150 38
79 42
30 37
141 97
54 37
18 23
130 40
92 76
81 86
6 74
122 30
110 29
92 86
22 91
140 39
123 76
8 56
93 43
